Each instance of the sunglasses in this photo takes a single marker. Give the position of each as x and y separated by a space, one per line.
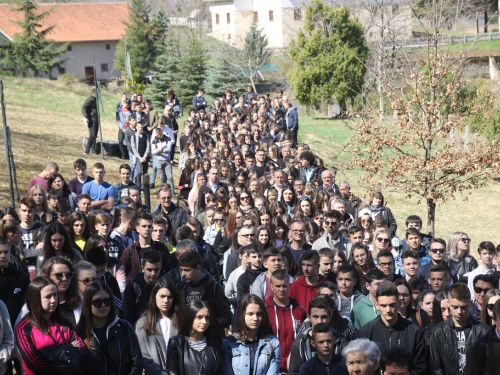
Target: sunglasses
435 251
466 240
60 275
88 280
248 235
245 198
384 240
328 223
490 306
100 302
479 290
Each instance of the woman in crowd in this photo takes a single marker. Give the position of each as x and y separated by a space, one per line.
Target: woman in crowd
57 244
361 259
102 225
339 259
378 209
426 301
196 349
190 152
159 323
263 237
11 231
406 310
112 342
272 196
253 343
79 230
85 274
245 200
362 357
57 183
306 205
365 222
43 324
382 241
490 298
280 231
289 199
200 180
42 211
184 184
440 308
459 259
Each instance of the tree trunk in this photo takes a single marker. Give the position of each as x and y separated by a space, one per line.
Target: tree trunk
486 21
431 216
477 23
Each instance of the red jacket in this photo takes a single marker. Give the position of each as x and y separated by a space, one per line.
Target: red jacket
302 291
283 326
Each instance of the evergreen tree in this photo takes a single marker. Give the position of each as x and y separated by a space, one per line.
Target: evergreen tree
166 73
220 77
142 36
255 51
31 53
191 73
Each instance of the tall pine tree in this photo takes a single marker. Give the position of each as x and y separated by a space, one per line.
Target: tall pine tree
191 73
31 52
220 77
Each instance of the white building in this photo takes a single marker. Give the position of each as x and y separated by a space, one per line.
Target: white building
88 28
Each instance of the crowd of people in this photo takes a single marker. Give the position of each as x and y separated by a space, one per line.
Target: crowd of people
262 265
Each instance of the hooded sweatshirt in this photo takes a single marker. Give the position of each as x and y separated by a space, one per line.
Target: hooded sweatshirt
302 291
285 322
135 299
363 312
345 305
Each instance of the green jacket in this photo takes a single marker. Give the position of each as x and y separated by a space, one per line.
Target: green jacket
363 312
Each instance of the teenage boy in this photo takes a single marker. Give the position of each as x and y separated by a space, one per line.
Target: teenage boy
121 188
197 285
123 236
449 342
356 237
325 362
365 311
76 184
136 296
246 280
63 211
43 178
132 256
304 287
414 221
332 237
161 148
390 329
348 297
101 192
410 263
437 250
298 244
486 251
326 260
262 284
414 242
318 311
31 249
129 133
482 284
84 204
396 361
385 263
439 277
288 313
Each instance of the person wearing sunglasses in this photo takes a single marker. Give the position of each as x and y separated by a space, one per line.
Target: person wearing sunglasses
490 298
332 237
459 259
437 253
112 342
85 274
481 285
487 265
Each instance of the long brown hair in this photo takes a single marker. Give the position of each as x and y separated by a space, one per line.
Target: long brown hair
34 305
72 299
153 314
265 328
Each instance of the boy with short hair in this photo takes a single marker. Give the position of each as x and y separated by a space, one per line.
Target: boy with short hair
255 269
304 287
414 221
397 360
52 198
449 340
437 251
356 237
121 188
26 212
262 285
365 311
84 204
487 257
410 263
348 297
101 192
439 277
414 242
63 211
76 184
123 236
326 259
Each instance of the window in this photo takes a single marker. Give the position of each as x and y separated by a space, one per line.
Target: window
228 36
62 70
108 46
256 16
104 67
228 18
271 16
70 48
217 19
297 14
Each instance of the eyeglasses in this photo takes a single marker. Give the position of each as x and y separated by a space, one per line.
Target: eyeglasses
435 251
247 235
490 306
60 275
479 290
88 280
298 231
466 240
384 240
99 302
245 198
332 223
384 265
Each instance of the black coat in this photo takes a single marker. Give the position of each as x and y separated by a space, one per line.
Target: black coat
178 217
386 214
13 287
136 298
443 345
403 333
484 356
180 362
122 356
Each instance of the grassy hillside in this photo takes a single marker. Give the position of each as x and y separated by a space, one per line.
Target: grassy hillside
46 124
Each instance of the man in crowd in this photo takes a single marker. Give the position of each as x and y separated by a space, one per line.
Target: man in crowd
332 237
90 119
365 311
169 209
43 178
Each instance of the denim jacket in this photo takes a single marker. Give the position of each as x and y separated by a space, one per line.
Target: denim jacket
237 359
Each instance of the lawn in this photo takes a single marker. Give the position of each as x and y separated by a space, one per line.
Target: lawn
46 124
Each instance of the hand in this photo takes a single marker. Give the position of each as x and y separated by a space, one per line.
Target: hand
149 129
39 246
76 344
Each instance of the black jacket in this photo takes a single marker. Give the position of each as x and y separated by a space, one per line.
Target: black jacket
208 260
135 299
314 366
177 215
89 108
403 333
246 280
443 345
484 356
122 355
386 214
13 287
213 294
180 360
201 194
